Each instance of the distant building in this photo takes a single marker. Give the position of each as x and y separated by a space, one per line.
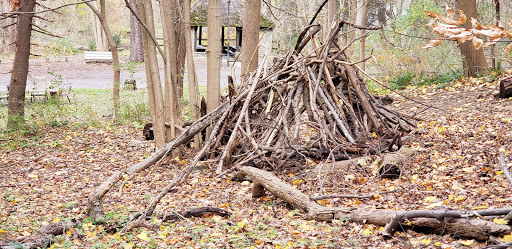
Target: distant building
233 37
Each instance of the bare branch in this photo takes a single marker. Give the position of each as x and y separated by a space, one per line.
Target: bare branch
44 11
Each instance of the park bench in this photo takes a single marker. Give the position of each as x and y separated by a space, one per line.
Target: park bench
95 56
4 96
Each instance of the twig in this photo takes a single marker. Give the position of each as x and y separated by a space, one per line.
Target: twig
505 167
44 11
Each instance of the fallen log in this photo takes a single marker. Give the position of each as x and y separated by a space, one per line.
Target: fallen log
196 212
457 223
505 87
42 238
387 160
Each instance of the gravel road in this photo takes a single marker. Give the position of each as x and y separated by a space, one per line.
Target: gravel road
78 74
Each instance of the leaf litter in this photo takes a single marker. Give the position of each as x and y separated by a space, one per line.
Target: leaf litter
457 167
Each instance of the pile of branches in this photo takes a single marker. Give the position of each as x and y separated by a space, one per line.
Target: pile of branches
319 92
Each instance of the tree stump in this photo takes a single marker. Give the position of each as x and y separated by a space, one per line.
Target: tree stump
506 87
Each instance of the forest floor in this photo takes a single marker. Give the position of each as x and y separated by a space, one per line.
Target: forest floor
50 177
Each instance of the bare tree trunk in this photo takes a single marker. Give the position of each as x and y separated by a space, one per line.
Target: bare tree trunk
352 11
145 42
193 88
102 17
180 49
16 100
136 46
168 12
250 37
498 17
474 61
11 47
332 11
213 57
361 20
152 63
99 35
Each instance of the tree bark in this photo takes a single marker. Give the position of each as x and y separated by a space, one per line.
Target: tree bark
152 63
180 48
11 46
362 17
136 46
498 17
102 17
213 57
474 61
100 37
18 83
250 37
193 87
168 11
506 87
332 11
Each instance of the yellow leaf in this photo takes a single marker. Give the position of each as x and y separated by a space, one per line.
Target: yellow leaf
116 236
467 242
33 176
500 221
367 231
164 233
507 238
240 224
450 197
429 198
297 181
2 231
460 198
143 236
128 246
56 219
426 241
374 134
499 172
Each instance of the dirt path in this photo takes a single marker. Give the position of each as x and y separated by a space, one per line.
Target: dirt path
79 74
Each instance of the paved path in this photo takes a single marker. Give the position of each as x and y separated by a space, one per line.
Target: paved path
79 74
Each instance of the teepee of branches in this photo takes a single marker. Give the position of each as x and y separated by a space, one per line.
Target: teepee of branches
305 104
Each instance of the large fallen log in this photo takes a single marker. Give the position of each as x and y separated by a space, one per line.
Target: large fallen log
457 223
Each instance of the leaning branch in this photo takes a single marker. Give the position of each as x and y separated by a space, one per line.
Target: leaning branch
134 13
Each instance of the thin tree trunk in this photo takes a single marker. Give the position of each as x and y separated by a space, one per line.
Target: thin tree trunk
332 11
145 42
180 48
192 82
102 16
213 57
136 46
99 35
474 61
168 12
362 20
498 17
16 100
158 121
250 37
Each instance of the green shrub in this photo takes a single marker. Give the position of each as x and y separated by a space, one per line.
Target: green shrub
401 81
